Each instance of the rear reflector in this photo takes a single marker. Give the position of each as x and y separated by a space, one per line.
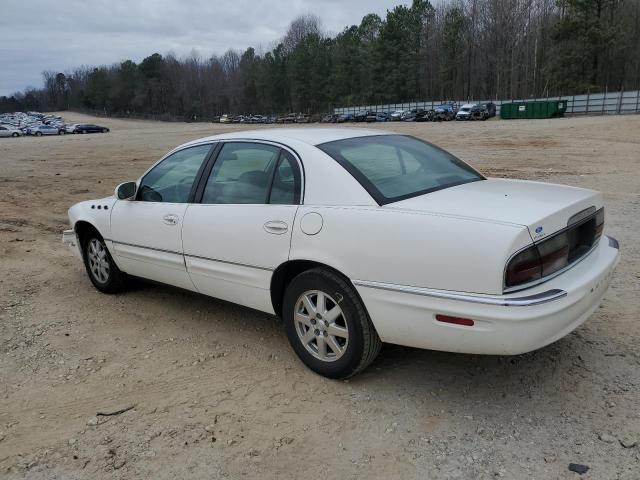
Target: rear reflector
467 322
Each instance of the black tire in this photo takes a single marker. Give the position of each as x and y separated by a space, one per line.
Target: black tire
363 344
104 130
15 134
61 132
115 281
38 134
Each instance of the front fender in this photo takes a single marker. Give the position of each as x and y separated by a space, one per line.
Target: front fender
95 212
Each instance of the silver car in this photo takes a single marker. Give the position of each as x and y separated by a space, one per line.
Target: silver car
44 130
9 131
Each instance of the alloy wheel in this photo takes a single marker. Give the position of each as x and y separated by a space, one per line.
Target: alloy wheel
321 325
98 262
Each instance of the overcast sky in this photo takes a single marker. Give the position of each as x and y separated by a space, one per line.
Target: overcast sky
37 35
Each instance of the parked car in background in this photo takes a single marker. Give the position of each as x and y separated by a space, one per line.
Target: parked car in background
465 112
303 118
489 110
41 130
424 116
9 131
293 221
89 128
377 117
226 118
397 115
445 112
409 115
345 117
360 116
69 128
329 118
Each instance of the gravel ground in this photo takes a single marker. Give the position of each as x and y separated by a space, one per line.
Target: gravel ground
216 390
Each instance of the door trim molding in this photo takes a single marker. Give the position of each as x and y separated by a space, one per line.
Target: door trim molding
190 256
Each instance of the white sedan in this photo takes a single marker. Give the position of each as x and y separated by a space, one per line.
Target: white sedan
354 238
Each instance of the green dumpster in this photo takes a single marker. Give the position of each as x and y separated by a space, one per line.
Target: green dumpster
540 109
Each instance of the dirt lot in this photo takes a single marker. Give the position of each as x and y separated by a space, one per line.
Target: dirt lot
219 394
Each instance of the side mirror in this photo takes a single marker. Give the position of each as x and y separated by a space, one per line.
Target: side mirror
126 191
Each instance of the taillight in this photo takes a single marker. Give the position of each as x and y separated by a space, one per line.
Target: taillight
599 223
525 267
555 253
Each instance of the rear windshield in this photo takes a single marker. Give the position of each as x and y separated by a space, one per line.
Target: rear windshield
396 167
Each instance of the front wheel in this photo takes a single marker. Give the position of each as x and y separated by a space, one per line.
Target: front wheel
15 134
102 270
38 134
327 324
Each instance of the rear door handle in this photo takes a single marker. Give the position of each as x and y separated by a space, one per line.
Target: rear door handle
171 219
276 227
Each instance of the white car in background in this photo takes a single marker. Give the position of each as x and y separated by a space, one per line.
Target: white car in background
9 131
465 111
355 238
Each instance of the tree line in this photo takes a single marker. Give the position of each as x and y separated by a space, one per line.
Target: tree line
460 49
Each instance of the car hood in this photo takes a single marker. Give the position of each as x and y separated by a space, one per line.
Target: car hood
543 208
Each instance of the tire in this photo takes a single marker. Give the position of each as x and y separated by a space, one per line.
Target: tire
104 130
61 132
15 135
354 343
102 270
38 134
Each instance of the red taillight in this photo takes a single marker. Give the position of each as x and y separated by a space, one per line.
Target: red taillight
525 267
467 322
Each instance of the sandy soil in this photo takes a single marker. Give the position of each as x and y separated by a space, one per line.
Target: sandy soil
219 394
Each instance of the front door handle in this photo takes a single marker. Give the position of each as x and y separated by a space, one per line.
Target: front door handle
171 219
276 227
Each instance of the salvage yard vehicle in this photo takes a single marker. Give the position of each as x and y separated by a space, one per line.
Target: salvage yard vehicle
41 130
354 238
467 110
89 128
445 112
9 131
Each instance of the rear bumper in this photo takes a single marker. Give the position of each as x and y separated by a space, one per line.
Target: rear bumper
70 239
503 324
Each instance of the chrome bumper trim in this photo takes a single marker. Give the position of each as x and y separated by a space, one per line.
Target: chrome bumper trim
526 301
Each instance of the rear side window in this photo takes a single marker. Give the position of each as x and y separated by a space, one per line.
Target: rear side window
253 173
242 174
395 167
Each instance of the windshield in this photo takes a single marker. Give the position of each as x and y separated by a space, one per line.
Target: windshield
396 167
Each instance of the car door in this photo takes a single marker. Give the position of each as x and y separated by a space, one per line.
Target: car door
241 229
147 232
4 132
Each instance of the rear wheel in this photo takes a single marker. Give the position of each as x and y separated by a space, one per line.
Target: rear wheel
327 324
102 270
38 134
15 134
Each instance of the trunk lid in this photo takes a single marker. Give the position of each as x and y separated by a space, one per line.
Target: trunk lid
544 208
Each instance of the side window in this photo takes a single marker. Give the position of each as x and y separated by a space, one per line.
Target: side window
242 174
171 180
285 189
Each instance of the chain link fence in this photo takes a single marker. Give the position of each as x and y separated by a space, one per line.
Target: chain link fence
588 104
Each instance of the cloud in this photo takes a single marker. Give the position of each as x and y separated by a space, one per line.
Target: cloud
38 35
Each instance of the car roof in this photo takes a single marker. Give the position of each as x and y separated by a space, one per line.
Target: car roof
308 135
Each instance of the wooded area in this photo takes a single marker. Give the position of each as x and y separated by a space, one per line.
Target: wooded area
480 49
